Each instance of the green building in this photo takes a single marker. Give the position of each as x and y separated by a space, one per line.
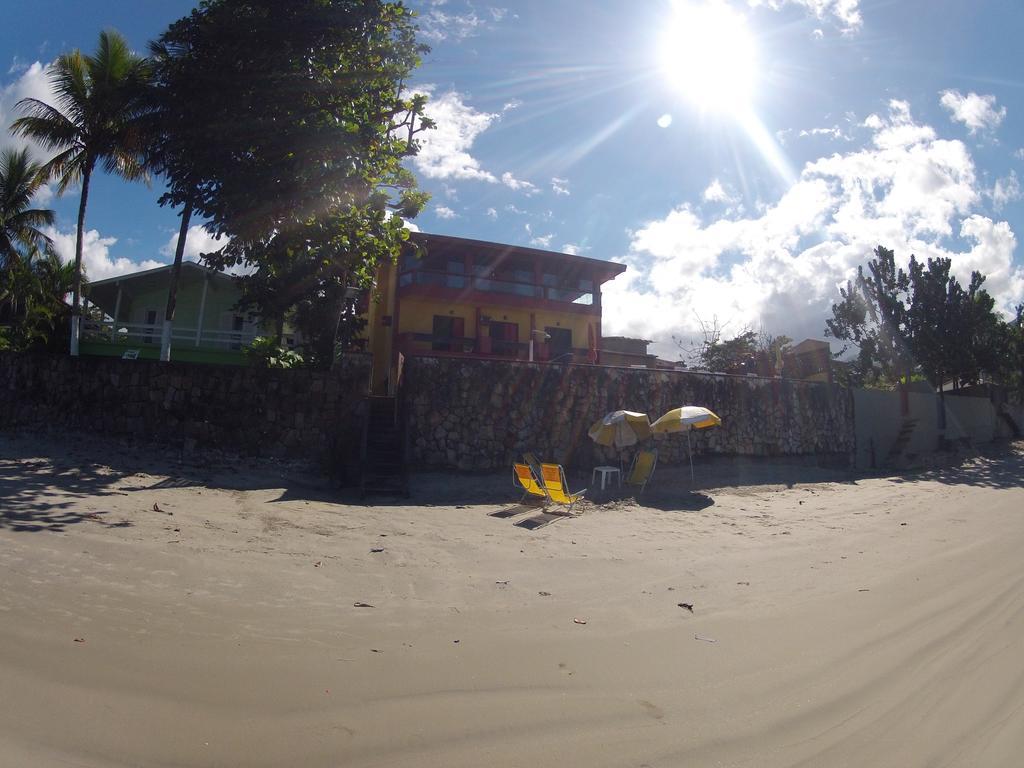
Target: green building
208 326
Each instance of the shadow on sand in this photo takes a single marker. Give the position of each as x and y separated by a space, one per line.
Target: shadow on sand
999 465
37 495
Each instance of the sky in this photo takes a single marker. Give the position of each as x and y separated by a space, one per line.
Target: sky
742 157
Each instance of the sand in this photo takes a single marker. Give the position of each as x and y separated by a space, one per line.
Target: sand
836 621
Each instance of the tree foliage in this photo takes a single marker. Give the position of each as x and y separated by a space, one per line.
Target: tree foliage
919 321
33 306
20 223
291 127
97 122
749 351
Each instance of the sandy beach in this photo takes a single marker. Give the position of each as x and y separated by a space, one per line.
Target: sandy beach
155 612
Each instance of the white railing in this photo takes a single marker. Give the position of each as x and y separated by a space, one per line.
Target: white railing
149 333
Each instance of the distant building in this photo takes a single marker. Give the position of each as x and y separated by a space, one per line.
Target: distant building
626 351
451 296
208 327
810 360
446 296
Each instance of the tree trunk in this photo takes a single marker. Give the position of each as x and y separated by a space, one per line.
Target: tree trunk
76 291
279 329
172 291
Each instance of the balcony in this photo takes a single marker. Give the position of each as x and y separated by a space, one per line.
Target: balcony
428 344
455 285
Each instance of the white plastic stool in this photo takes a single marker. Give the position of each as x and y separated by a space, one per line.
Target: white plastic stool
604 473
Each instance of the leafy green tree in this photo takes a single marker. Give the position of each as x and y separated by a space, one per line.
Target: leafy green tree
20 223
97 123
872 316
922 320
291 140
33 301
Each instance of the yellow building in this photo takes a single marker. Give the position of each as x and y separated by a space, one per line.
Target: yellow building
450 296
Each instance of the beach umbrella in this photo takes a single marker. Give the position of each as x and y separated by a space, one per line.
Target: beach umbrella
685 419
621 429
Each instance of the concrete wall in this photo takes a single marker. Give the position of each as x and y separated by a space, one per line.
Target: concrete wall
970 418
302 414
878 421
481 414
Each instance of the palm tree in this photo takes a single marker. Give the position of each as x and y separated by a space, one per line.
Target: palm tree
20 224
33 299
101 104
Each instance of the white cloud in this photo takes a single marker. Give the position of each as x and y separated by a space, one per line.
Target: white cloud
444 151
665 120
32 82
491 213
96 257
716 193
541 241
559 186
1005 190
198 241
574 249
977 112
843 13
833 132
518 185
444 212
438 22
908 190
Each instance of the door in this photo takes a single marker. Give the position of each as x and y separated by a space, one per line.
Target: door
559 343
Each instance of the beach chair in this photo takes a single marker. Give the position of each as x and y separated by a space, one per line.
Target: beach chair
642 469
531 460
524 477
557 488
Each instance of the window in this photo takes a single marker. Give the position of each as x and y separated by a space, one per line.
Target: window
150 322
454 274
504 338
448 333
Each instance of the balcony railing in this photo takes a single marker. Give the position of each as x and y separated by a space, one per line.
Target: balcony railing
412 344
459 282
149 333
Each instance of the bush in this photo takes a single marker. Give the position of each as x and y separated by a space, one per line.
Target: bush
265 352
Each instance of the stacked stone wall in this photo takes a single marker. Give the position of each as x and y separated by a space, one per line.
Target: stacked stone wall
301 414
481 414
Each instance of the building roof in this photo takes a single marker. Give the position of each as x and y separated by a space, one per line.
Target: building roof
103 293
155 272
607 269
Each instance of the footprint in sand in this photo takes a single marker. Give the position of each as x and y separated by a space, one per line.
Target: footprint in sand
652 710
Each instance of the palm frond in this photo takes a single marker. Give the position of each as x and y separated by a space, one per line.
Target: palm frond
45 124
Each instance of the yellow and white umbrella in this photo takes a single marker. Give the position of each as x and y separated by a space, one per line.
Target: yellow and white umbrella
683 420
621 429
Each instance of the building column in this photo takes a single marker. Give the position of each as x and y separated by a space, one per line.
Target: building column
202 310
117 313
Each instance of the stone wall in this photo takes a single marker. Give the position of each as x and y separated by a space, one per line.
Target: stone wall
480 414
302 414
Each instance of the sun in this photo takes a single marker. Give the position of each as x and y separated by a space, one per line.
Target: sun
709 54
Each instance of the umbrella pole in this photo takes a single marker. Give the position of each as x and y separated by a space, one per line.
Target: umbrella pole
689 450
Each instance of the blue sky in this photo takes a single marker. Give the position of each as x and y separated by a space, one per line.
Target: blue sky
569 126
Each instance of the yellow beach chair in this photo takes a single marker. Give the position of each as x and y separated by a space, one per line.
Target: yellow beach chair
523 477
557 488
642 469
